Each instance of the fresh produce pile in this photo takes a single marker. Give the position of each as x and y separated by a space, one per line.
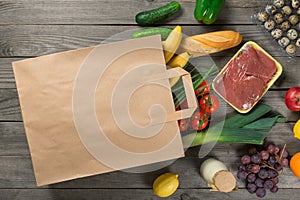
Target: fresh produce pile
261 169
263 165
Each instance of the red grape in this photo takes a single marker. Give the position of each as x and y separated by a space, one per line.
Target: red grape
264 155
255 158
251 187
285 162
246 160
260 169
278 166
263 173
259 182
271 148
242 168
272 173
260 192
285 154
255 168
242 175
251 178
276 149
272 160
268 184
274 189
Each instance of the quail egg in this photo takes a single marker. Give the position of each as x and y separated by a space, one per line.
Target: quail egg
292 34
278 18
293 19
271 9
278 3
285 26
262 16
295 3
287 10
298 42
298 26
269 24
291 49
284 41
276 33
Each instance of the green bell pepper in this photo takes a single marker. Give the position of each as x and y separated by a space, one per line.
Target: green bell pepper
208 11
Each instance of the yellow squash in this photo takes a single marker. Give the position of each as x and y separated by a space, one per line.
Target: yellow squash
171 44
178 61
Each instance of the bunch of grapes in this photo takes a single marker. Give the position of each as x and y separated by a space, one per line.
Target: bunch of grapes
261 169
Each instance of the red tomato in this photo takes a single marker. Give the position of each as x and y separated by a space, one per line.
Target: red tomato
209 103
182 125
203 88
199 121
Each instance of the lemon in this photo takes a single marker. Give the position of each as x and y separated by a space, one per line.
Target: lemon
297 130
165 185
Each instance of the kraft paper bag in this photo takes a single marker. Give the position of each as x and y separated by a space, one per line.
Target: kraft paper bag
100 109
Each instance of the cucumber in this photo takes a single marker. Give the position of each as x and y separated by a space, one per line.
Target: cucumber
163 32
150 17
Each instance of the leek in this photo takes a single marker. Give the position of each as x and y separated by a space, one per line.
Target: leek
250 128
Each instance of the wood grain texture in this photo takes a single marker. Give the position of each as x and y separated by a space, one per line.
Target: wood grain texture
141 194
7 79
30 28
289 77
16 169
36 40
113 12
10 109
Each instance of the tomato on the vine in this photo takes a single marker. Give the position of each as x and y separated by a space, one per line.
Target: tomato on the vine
199 121
183 126
209 103
203 88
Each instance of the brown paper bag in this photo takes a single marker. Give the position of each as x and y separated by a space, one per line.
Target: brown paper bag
100 109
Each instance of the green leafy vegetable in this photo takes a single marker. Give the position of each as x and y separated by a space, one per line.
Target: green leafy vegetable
250 128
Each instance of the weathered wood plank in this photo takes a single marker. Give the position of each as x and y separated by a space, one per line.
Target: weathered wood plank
112 12
16 169
10 109
7 79
16 172
289 78
36 40
9 105
13 141
138 194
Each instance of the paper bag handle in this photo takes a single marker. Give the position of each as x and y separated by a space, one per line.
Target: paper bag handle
189 92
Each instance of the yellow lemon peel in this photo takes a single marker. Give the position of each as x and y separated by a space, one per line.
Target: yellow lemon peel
297 130
165 185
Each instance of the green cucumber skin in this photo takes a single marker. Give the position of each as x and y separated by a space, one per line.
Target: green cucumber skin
151 17
163 32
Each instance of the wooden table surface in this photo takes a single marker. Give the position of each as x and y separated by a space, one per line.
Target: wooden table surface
30 28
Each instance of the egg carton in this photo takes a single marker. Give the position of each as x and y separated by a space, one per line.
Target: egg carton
281 18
